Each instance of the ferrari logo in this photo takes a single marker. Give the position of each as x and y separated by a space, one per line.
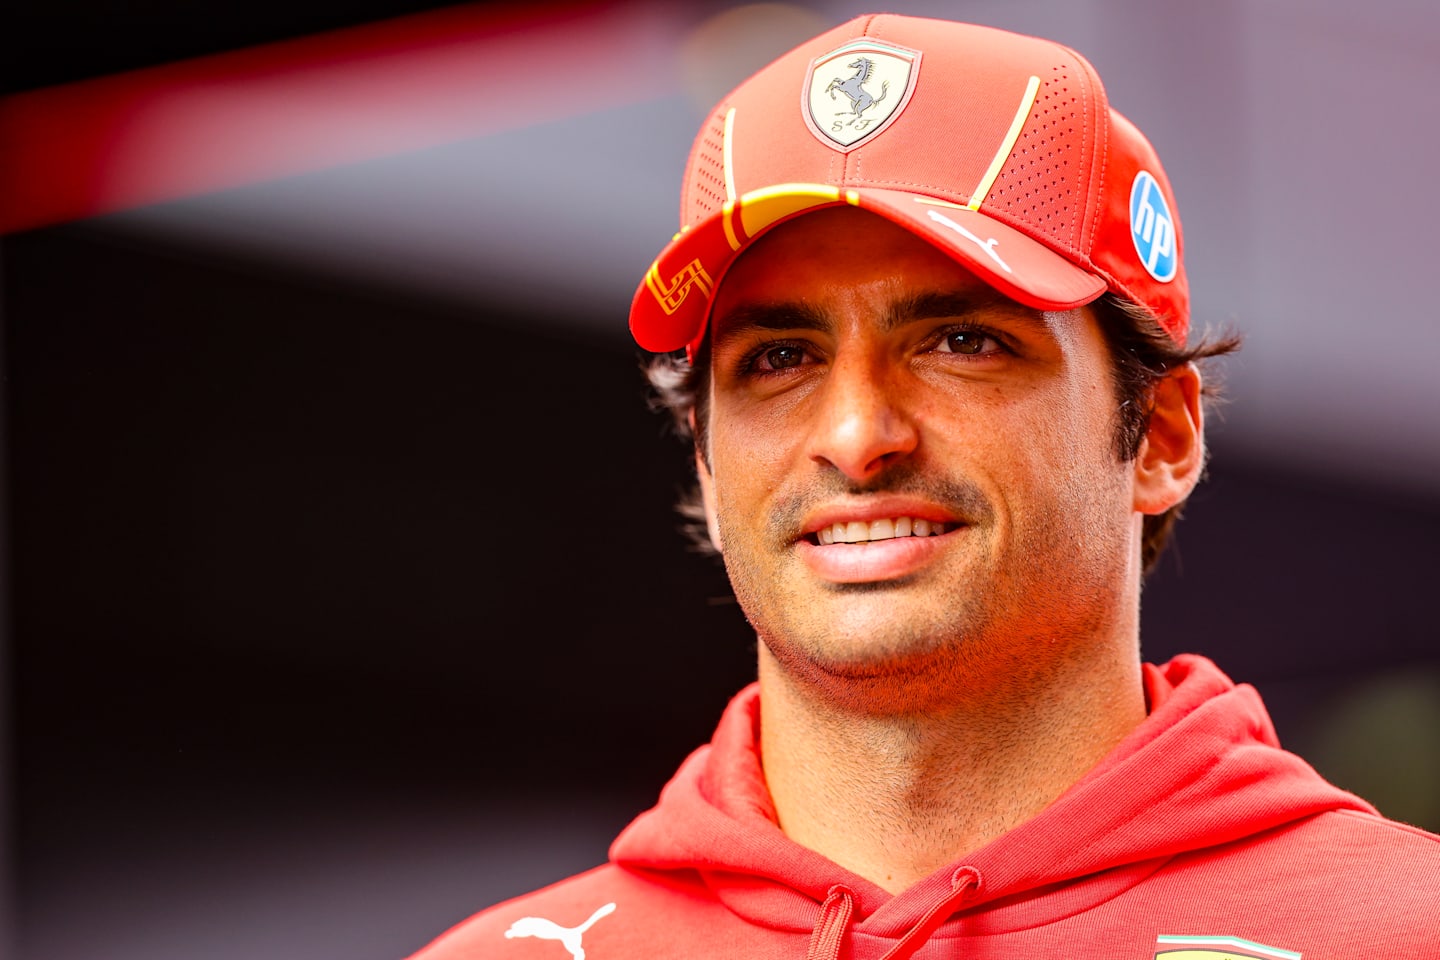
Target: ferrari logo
855 91
1217 948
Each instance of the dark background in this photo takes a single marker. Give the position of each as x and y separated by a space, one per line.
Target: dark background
336 615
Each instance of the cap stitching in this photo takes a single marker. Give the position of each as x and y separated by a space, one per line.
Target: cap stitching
939 188
1079 231
1090 233
1103 150
871 21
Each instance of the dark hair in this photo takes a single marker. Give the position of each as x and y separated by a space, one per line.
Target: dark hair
1141 355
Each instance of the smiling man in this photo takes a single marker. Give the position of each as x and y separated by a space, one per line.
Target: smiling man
914 484
927 322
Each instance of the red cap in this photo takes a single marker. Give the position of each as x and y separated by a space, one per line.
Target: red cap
1000 149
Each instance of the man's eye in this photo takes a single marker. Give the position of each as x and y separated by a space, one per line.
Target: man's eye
781 358
969 342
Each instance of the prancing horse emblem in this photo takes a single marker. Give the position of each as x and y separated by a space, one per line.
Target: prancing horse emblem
569 937
860 98
877 80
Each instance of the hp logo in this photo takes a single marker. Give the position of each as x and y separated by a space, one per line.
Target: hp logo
1153 229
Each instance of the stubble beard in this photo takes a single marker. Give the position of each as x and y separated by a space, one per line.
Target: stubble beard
922 643
891 644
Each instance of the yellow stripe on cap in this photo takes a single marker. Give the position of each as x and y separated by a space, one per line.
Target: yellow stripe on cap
727 220
982 189
760 208
727 155
934 202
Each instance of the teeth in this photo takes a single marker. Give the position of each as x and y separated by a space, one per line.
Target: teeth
858 531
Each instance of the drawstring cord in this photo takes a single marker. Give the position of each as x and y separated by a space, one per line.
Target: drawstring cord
964 883
839 905
834 924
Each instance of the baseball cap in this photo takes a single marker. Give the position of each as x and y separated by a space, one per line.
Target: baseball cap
1000 149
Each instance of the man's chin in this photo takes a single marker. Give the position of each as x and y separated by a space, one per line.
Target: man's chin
866 649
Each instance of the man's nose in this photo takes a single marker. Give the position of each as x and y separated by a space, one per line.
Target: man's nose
862 424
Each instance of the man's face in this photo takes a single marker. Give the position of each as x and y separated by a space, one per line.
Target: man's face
865 387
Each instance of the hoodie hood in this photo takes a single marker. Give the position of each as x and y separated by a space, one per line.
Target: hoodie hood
1204 769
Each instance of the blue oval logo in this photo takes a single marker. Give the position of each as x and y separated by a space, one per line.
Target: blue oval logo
1153 229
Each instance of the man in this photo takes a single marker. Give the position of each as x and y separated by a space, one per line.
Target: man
934 316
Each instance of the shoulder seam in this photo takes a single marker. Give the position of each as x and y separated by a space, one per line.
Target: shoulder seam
1382 821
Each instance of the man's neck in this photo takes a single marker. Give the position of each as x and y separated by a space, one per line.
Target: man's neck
895 798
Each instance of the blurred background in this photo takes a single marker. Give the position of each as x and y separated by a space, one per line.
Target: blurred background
343 594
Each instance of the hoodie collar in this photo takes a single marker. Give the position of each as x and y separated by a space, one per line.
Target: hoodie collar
1203 769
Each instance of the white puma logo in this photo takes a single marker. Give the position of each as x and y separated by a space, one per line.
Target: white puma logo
569 937
988 245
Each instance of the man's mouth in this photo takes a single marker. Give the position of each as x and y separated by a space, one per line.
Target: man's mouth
866 531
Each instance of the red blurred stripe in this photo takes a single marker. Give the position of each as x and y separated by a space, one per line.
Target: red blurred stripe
221 121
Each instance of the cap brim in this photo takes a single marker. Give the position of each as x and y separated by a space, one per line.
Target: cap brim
672 304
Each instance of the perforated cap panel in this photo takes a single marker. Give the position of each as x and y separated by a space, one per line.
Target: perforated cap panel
1038 185
707 183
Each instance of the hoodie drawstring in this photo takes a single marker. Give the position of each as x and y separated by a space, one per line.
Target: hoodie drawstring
964 883
834 923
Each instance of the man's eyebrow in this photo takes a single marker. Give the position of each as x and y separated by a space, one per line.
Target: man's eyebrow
933 304
767 316
921 305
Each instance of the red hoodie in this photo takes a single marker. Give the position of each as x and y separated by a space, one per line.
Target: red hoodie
1196 838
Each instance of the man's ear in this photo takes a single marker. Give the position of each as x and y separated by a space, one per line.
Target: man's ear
1172 454
707 491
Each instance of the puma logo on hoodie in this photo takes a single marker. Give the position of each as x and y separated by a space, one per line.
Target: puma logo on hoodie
569 937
